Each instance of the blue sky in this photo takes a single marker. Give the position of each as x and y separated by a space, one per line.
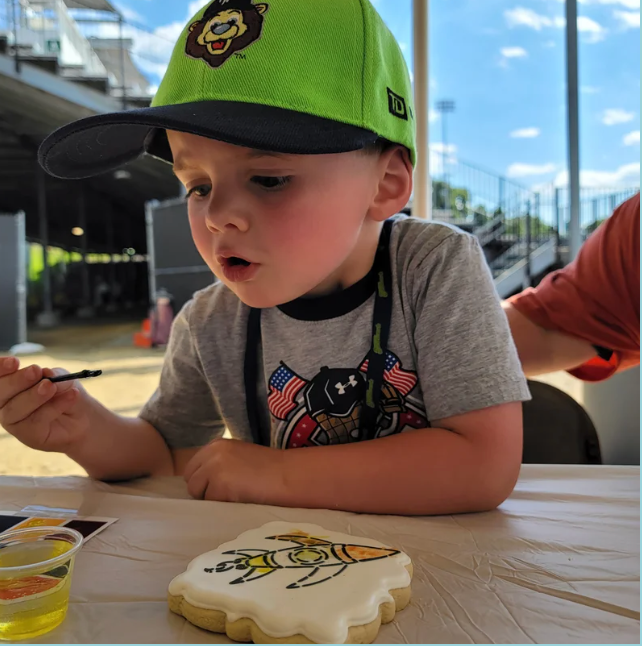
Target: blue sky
503 62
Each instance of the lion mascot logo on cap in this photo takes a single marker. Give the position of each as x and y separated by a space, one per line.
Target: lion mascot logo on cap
227 26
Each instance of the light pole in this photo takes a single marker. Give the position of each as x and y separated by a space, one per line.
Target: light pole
422 199
444 107
575 225
122 61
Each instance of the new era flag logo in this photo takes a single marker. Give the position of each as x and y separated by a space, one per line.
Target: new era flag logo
403 380
284 387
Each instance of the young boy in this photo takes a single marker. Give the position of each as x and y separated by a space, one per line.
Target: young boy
291 126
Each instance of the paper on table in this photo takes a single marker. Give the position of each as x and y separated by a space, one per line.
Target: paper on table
88 526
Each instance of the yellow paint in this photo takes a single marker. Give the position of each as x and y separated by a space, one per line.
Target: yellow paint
40 522
32 605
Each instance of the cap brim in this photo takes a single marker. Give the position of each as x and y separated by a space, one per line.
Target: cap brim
104 142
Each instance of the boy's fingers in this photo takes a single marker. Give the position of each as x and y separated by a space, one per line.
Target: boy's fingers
63 386
197 484
32 430
26 403
18 382
54 409
193 466
8 365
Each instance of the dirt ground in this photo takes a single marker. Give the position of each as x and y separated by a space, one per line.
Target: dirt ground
130 376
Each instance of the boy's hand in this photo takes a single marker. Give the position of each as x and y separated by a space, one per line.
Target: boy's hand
234 471
42 415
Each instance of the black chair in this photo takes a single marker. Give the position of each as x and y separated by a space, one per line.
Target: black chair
557 430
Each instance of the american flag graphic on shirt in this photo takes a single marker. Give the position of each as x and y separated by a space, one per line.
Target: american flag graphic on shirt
284 387
394 374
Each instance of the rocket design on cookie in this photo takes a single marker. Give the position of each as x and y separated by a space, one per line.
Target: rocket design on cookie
325 559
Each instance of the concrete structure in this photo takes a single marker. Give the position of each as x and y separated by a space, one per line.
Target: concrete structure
42 90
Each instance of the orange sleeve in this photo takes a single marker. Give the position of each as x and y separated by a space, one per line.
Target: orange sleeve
597 297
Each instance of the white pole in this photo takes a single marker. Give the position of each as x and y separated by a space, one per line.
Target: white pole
422 200
575 225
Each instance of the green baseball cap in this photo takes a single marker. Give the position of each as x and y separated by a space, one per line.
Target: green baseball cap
289 76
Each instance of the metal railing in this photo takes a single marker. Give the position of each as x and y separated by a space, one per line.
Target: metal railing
596 205
511 221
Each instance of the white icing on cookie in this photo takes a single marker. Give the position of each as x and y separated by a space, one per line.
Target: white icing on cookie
296 579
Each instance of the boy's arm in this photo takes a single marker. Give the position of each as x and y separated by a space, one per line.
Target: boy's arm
121 448
469 463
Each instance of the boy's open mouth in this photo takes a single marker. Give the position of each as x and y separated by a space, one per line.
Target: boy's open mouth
237 269
237 262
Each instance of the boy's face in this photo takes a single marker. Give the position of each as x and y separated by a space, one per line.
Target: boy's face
277 227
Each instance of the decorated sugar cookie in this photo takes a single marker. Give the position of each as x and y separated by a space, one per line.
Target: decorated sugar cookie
294 583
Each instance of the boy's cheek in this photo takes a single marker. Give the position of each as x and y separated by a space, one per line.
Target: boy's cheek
203 240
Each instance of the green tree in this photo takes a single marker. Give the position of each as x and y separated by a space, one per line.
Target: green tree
448 197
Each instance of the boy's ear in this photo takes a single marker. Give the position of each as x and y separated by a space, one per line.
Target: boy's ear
395 184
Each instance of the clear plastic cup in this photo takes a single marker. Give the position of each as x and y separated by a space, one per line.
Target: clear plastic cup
36 568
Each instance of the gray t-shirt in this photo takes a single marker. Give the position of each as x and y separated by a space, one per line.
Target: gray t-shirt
450 352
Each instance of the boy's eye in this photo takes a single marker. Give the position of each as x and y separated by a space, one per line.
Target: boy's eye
199 191
270 183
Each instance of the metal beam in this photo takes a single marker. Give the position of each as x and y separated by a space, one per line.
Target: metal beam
575 224
84 241
422 200
44 238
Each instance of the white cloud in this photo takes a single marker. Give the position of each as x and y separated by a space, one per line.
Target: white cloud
528 170
195 6
628 19
128 13
626 176
594 31
520 16
526 133
513 52
590 89
438 147
628 4
549 44
433 115
615 116
170 32
151 51
441 155
632 138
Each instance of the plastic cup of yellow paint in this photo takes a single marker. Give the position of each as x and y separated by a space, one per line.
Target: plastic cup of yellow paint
36 568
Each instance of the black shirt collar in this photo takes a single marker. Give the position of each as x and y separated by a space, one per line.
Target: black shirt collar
324 308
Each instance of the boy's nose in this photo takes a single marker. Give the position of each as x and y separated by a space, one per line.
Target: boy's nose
218 221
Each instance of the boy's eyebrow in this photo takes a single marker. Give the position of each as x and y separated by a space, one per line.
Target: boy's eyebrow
179 166
254 154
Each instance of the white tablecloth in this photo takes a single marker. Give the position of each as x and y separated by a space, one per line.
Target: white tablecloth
558 563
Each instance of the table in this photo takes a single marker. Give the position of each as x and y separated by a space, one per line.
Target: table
559 562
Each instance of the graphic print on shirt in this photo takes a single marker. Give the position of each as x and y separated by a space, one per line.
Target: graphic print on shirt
327 409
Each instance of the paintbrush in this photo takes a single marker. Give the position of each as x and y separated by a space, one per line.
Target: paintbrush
85 374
